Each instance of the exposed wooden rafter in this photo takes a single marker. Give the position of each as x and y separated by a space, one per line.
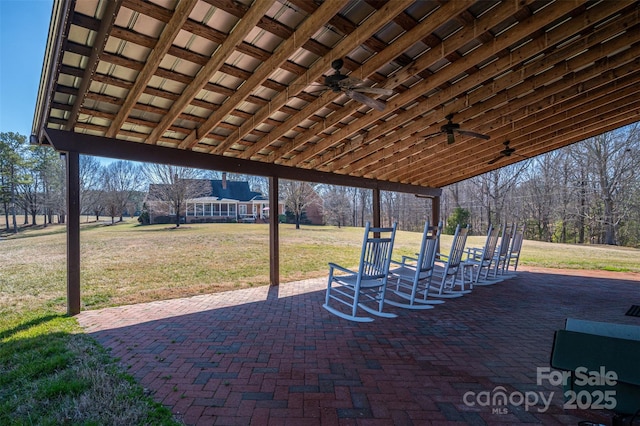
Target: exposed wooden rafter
239 82
216 62
164 44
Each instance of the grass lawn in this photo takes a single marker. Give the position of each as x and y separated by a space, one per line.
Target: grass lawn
52 373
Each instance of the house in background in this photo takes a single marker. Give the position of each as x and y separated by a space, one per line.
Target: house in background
221 201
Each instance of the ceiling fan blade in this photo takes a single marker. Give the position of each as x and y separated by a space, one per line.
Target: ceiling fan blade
350 82
495 159
450 138
473 134
370 102
376 90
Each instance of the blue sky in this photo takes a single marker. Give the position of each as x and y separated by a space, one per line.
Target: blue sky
24 25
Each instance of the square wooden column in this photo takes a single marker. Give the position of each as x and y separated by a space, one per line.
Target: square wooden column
435 210
274 237
73 232
376 207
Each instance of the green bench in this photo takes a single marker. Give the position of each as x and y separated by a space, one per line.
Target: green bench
601 362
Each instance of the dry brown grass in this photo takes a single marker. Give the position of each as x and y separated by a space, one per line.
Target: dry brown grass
127 263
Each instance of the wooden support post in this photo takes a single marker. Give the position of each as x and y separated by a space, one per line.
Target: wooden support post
73 232
435 216
435 210
274 238
376 207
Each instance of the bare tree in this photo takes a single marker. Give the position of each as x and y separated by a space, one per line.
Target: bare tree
337 204
615 161
91 189
539 195
120 181
494 189
297 196
171 186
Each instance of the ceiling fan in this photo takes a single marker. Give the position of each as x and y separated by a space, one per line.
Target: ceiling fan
450 128
506 152
353 87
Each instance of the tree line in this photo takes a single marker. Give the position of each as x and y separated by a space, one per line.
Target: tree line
588 192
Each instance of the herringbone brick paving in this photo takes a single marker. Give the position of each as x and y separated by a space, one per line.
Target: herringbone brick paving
273 356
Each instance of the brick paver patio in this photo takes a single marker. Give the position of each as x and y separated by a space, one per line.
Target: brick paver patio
273 356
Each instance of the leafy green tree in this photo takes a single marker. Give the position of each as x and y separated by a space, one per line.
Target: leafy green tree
52 169
12 161
38 165
460 216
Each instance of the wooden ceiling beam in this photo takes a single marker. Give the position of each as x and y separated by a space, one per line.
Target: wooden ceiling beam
354 39
116 148
84 21
390 166
521 70
537 78
72 71
461 103
306 30
216 61
557 92
172 75
539 141
580 128
608 98
487 74
437 18
125 34
164 44
106 23
573 85
480 54
486 22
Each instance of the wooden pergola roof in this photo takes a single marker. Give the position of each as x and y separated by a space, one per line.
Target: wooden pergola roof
241 83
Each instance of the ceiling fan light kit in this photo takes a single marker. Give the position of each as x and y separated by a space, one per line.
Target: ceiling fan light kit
353 87
506 152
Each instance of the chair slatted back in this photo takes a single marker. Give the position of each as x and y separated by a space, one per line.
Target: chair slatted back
376 251
429 247
516 244
492 242
457 246
516 241
504 242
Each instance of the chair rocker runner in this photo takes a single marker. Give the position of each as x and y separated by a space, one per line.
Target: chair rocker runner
364 288
482 258
449 271
410 279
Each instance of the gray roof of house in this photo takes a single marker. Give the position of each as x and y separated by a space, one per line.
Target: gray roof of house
235 190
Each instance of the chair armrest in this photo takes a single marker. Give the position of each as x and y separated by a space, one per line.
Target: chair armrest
442 257
412 259
343 269
474 253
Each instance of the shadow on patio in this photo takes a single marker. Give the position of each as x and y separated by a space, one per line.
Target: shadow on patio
274 356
